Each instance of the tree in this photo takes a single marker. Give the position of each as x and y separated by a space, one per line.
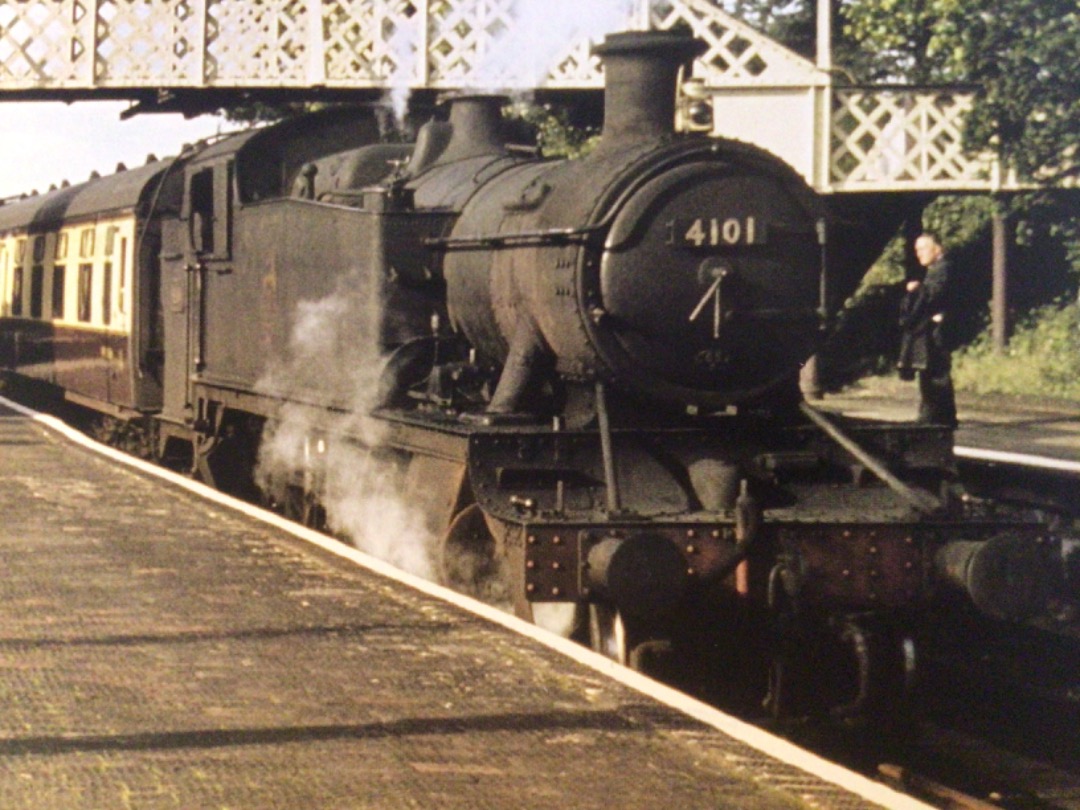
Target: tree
1022 54
909 41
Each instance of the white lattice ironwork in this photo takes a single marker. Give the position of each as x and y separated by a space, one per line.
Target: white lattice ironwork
737 55
875 139
373 42
139 42
249 42
44 43
364 43
902 139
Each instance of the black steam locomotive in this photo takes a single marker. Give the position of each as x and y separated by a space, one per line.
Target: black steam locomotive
580 374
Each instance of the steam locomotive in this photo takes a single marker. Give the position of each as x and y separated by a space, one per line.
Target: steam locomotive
581 374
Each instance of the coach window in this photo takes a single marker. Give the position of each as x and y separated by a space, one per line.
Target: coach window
86 275
37 279
17 278
106 294
37 290
5 305
121 303
86 243
16 290
58 274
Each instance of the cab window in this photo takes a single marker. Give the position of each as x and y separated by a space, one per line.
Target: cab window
209 205
202 212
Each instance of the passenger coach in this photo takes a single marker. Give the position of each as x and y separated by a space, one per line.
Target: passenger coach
79 298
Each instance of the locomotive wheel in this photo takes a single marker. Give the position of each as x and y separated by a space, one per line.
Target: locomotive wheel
468 562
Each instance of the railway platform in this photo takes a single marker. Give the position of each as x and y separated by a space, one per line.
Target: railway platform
162 647
1014 427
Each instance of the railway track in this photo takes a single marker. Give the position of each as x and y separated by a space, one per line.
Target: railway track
1001 722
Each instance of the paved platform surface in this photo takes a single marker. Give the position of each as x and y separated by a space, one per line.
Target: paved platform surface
160 651
1003 423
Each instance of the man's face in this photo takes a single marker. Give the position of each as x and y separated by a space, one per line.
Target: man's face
926 250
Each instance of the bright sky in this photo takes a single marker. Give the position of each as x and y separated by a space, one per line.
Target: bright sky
42 143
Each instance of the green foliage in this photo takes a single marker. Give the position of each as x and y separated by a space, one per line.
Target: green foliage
1023 56
552 131
913 41
961 222
256 112
1042 359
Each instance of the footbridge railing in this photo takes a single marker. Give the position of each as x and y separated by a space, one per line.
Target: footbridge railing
841 139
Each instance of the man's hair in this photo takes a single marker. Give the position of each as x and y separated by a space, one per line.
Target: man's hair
931 235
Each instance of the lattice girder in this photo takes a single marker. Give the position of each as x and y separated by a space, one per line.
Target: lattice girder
884 138
363 43
737 54
904 137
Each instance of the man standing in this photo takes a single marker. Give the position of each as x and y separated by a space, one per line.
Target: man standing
922 351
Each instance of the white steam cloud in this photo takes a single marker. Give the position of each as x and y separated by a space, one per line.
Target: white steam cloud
332 357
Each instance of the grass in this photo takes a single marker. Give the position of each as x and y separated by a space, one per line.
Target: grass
1041 359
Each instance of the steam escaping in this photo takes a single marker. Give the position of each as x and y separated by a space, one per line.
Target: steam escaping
332 357
405 55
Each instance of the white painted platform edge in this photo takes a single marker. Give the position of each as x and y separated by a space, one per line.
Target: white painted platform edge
1022 459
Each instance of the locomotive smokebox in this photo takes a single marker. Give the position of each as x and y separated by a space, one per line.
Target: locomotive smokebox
643 575
640 71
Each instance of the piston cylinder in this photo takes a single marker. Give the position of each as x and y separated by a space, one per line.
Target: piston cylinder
643 575
1007 577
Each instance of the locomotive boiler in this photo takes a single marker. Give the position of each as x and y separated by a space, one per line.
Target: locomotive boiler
584 380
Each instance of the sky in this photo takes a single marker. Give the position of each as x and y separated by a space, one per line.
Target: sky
42 143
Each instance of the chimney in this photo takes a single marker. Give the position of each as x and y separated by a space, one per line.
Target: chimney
476 127
640 72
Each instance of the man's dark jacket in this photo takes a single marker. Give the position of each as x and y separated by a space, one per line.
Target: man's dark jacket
921 345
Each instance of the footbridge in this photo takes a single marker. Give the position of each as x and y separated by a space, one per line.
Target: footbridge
172 53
